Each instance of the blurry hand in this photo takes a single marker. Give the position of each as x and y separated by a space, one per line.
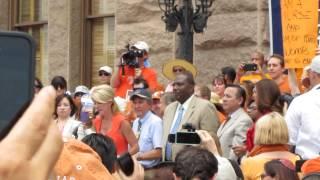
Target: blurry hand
259 70
33 146
239 150
240 71
138 171
207 141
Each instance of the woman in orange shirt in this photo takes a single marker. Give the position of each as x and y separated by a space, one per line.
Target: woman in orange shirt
271 142
110 122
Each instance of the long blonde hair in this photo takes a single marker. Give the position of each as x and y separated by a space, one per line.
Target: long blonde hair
103 94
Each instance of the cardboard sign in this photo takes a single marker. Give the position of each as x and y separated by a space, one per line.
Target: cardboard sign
299 31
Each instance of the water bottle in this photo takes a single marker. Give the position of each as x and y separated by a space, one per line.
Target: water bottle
87 108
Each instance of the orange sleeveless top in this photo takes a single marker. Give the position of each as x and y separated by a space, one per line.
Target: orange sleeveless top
114 133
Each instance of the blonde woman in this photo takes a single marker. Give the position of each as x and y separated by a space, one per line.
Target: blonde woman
110 122
271 142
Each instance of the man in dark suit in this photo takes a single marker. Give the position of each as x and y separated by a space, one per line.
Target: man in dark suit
232 132
187 109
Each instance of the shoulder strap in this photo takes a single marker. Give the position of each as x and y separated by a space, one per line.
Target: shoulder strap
236 169
75 132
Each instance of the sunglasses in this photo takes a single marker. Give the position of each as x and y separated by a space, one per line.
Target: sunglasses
104 74
177 70
79 94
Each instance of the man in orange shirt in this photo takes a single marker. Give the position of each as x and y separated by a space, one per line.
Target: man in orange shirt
124 75
276 70
287 83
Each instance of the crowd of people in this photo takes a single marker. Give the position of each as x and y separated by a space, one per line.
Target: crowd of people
254 121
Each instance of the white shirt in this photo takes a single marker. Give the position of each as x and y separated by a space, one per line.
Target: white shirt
303 120
185 106
69 127
226 171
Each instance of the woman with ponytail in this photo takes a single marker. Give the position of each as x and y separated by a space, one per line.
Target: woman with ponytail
110 122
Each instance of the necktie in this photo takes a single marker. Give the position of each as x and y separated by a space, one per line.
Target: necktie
173 131
139 125
139 129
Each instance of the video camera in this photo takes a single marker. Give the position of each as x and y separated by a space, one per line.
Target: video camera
130 57
185 137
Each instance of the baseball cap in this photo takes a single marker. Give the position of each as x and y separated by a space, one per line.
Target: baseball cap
142 93
157 95
106 69
311 166
141 45
78 161
315 64
81 89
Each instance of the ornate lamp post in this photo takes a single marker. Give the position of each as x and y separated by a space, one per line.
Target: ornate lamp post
192 15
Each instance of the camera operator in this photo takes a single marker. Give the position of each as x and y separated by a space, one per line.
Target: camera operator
131 66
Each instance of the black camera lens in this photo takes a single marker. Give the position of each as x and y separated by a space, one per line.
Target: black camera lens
129 58
139 53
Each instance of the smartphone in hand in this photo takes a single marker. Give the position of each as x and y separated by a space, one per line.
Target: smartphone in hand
250 67
17 74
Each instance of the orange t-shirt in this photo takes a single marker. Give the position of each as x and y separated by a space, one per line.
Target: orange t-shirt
114 133
126 80
284 85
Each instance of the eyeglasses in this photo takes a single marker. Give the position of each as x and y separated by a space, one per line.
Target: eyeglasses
104 74
177 70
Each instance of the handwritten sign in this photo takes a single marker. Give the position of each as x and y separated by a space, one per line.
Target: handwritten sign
299 31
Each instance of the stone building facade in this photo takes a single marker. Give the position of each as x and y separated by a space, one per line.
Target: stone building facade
235 29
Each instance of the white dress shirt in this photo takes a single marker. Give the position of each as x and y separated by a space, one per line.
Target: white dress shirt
303 120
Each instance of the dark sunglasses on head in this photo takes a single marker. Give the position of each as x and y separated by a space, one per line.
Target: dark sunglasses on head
104 73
